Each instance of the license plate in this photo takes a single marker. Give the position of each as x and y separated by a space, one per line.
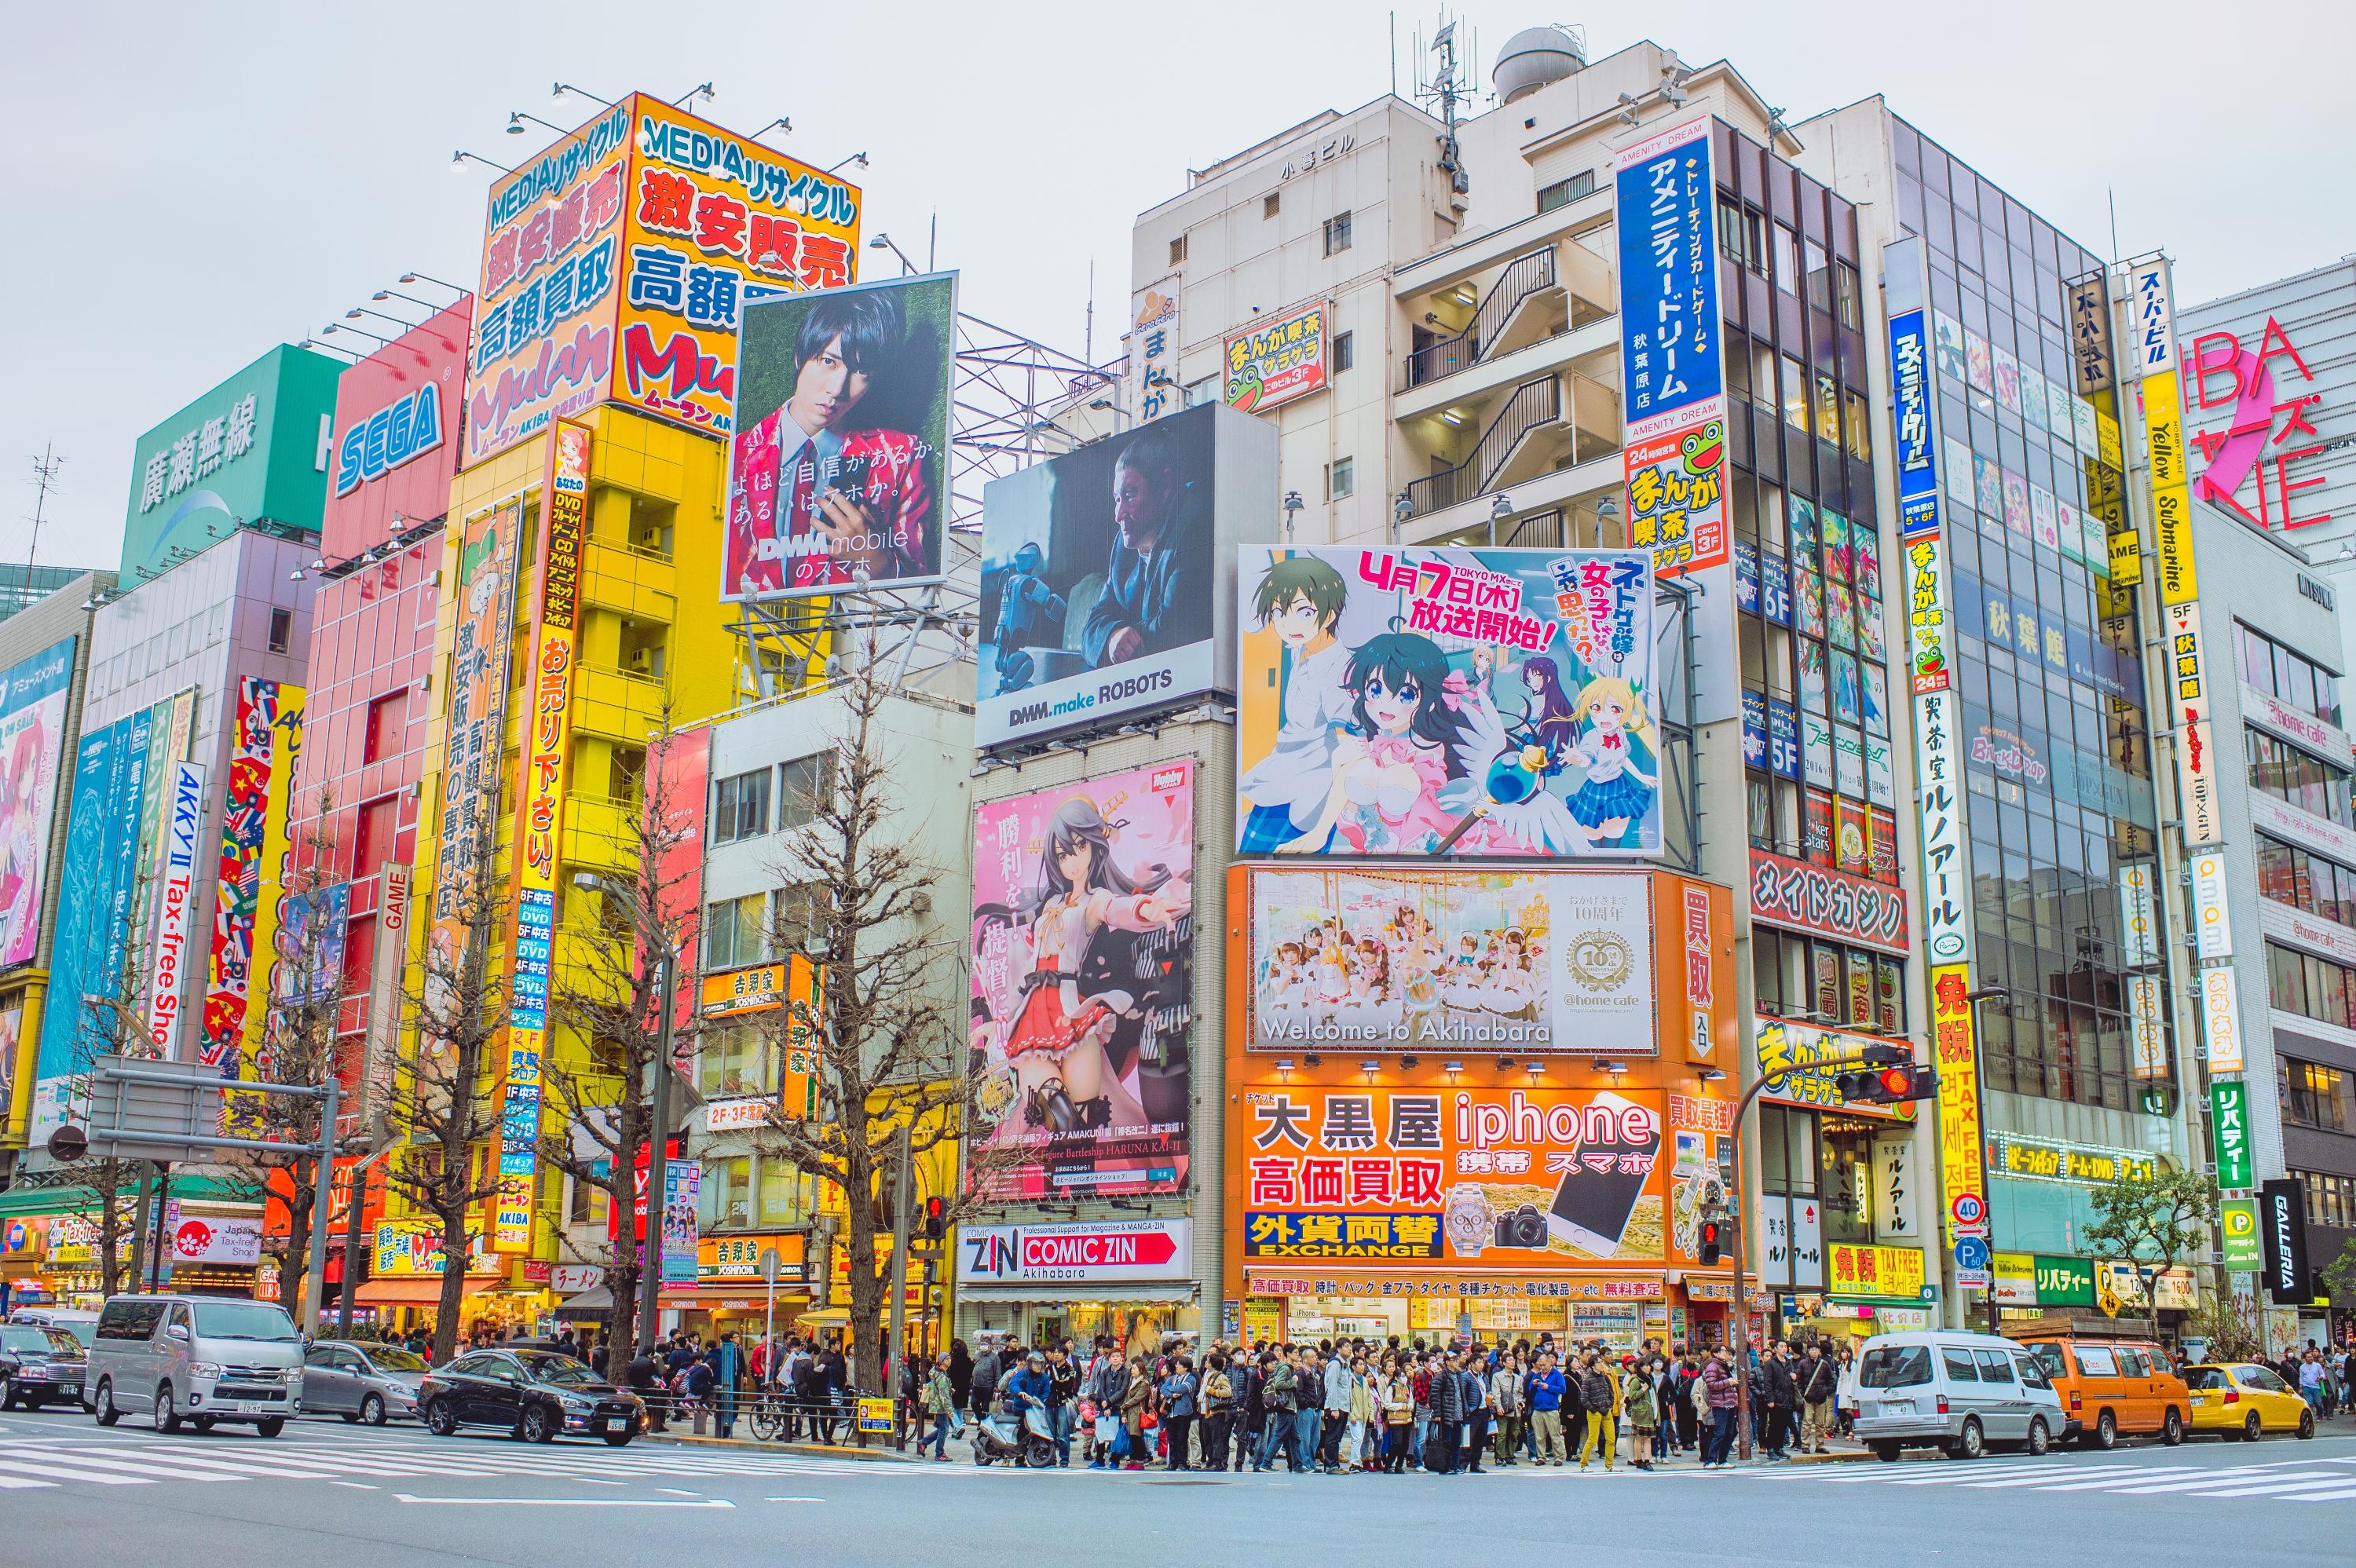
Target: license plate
1897 1407
617 1423
252 1407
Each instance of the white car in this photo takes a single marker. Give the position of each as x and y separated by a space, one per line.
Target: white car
201 1358
1961 1392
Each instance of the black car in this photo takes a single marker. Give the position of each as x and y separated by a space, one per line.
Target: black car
532 1395
38 1365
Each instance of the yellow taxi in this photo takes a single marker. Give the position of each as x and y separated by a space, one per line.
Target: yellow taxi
2235 1398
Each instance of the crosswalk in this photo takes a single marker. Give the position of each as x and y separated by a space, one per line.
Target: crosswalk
33 1461
2323 1480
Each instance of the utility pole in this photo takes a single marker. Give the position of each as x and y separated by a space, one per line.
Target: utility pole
323 1192
658 1167
45 478
903 1184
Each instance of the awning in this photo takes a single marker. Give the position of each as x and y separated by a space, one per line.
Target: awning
1181 1291
826 1317
426 1290
22 1202
599 1299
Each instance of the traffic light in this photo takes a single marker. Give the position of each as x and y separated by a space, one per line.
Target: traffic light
936 1226
1712 1247
1892 1078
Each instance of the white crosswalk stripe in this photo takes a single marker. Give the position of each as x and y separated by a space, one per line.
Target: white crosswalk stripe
2294 1480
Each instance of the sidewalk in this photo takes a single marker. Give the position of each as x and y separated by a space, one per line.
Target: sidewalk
685 1438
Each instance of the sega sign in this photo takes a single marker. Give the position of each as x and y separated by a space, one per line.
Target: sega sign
1097 1252
390 437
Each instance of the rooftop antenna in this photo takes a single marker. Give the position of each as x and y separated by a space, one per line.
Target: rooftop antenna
1448 87
45 479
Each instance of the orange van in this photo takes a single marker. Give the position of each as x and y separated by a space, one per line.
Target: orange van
2112 1388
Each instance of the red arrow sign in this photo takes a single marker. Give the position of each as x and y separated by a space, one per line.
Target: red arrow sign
1097 1249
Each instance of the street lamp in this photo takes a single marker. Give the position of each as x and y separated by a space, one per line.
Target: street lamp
458 161
1292 504
859 158
883 242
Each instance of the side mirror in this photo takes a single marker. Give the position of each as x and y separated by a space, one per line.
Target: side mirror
177 1331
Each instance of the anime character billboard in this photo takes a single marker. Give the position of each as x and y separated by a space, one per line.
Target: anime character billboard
33 697
1446 701
1083 985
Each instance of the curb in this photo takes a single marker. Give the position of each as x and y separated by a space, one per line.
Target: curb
753 1445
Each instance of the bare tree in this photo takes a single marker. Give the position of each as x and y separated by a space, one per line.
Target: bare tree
885 1034
613 999
444 1096
110 1025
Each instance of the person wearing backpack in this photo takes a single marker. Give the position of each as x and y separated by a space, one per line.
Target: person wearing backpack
1276 1403
1398 1415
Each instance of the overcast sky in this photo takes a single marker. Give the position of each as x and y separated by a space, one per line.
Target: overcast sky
188 186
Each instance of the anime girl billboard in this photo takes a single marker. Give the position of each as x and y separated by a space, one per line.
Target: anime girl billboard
1083 985
33 697
1446 701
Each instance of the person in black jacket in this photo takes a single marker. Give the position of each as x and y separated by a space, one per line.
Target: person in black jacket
1779 1393
1447 1416
1819 1380
1251 1411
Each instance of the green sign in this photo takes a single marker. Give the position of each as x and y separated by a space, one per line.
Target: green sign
253 452
2229 1127
2064 1281
2238 1218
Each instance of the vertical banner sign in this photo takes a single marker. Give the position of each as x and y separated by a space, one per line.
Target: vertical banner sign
2197 763
2139 918
263 748
679 782
278 951
2282 1225
2237 1222
2212 928
540 830
1670 365
1154 350
1939 803
683 1187
2148 1051
1955 1038
1918 467
176 873
33 695
384 984
2220 1021
2153 353
2228 1124
2090 333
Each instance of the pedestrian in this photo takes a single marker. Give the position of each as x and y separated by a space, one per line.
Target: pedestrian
1063 1400
1215 1407
1719 1394
2310 1379
1598 1396
1309 1418
1641 1394
1251 1407
1478 1411
1782 1395
1134 1398
940 1402
1399 1416
1509 1399
1418 1373
1107 1384
1179 1394
835 1371
981 1395
1277 1406
1820 1384
1336 1411
646 1383
1546 1388
1446 1396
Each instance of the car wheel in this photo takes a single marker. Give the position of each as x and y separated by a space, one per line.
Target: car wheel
1972 1444
271 1426
7 1393
2253 1429
104 1409
168 1414
372 1410
617 1440
351 1418
535 1426
2105 1435
1885 1451
2307 1424
2040 1437
440 1419
2172 1431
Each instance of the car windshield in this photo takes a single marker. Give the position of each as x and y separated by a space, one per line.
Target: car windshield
82 1330
23 1339
392 1358
226 1319
1894 1366
563 1371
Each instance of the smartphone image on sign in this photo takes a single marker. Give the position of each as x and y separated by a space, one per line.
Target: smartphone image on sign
1619 1142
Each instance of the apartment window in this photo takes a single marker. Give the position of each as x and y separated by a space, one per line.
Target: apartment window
740 806
1820 276
1337 234
732 932
1178 250
2313 1095
1202 391
1340 479
1268 204
1345 351
732 1060
282 631
1762 376
387 728
804 784
1754 242
1828 410
800 917
1857 425
1562 193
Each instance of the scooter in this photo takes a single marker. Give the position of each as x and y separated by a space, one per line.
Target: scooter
996 1436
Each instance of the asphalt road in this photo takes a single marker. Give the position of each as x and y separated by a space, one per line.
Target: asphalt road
328 1493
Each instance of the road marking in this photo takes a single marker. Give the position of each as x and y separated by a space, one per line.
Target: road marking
356 1486
796 1499
677 1493
566 1502
58 1472
2285 1487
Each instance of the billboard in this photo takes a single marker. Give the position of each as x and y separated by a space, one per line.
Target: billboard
1083 959
1267 367
251 451
1453 699
1103 572
176 898
840 461
1671 362
1489 1178
261 764
397 437
616 263
1099 1252
33 695
1519 962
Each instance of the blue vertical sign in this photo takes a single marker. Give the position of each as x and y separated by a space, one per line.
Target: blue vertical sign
1917 448
1669 275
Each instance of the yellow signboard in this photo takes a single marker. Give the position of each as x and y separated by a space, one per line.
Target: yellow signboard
1858 1270
1955 1038
2171 494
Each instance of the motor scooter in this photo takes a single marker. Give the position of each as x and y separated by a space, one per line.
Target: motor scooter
1032 1443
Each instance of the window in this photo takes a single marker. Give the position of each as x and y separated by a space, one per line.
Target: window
2313 1095
1820 276
2330 1199
1787 261
1763 378
1340 479
804 785
1857 426
2290 774
372 840
2285 676
2096 1361
733 1060
1754 244
1845 296
1178 250
779 1189
282 631
388 726
1201 391
732 932
2310 986
1268 204
1894 1366
1960 1369
1828 410
1562 193
1795 395
740 806
1345 351
726 1198
2033 1372
1996 1366
2289 874
2134 1363
1337 234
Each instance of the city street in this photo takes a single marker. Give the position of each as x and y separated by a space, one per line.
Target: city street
394 1497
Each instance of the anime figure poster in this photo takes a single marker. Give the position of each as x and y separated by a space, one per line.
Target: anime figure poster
33 697
1083 987
1449 702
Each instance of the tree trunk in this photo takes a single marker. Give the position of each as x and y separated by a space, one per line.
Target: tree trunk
454 1283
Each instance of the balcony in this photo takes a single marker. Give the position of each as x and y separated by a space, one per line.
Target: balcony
1527 436
1524 279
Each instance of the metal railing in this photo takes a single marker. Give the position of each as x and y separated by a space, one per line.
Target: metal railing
1534 403
1523 277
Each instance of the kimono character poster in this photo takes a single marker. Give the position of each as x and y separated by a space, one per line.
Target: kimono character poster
1447 700
1083 987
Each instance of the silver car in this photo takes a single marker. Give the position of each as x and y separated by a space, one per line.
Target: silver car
374 1383
1963 1392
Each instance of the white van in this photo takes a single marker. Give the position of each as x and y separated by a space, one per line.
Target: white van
201 1358
1962 1393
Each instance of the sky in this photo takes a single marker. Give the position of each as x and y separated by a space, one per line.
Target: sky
191 185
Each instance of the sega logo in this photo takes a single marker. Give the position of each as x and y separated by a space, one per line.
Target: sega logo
388 438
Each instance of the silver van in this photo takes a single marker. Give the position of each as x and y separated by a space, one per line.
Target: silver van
199 1359
1962 1393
